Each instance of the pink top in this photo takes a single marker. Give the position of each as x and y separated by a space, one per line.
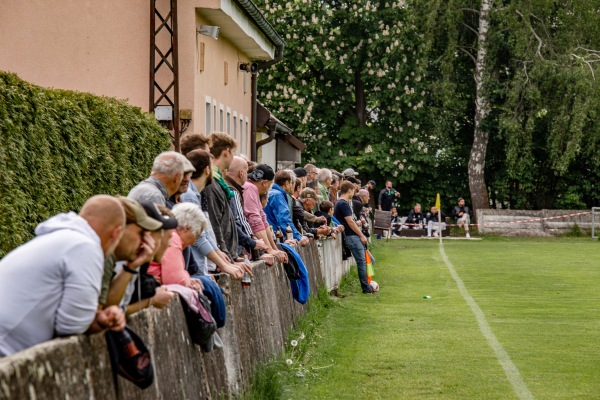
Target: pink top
253 209
172 269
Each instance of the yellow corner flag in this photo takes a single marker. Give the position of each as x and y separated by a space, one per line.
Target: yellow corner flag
437 202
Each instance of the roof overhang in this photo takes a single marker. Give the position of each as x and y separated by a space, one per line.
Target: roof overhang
242 23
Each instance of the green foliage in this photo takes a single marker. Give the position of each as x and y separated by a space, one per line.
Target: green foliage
58 148
352 84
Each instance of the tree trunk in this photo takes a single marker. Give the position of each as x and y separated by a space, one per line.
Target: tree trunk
477 186
361 103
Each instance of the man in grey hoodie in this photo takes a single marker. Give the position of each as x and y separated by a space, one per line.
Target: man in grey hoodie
49 286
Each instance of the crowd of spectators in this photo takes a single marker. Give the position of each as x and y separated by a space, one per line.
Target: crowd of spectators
200 213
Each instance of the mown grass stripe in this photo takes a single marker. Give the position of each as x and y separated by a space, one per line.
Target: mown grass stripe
510 369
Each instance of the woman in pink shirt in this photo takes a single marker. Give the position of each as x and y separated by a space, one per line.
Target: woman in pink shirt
191 222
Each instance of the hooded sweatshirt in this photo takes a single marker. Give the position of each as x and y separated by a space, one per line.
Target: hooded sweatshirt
49 286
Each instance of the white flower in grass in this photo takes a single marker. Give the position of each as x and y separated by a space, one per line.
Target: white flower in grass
289 362
294 343
302 336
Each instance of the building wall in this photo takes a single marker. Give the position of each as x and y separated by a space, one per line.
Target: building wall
220 95
91 46
104 48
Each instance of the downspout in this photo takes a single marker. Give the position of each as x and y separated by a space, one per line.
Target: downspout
254 98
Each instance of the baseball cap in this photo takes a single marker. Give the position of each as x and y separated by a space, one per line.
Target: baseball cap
154 213
136 215
308 193
349 172
300 172
261 172
188 167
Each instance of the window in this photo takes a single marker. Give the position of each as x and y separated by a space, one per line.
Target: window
221 119
235 126
228 121
208 112
214 127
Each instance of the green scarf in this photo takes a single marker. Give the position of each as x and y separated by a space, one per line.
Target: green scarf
217 176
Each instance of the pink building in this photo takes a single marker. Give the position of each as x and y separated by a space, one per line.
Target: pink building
193 59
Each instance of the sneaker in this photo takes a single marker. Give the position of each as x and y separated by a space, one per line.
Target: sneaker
468 235
428 235
436 234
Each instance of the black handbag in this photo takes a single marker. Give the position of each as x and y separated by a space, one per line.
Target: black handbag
129 357
201 324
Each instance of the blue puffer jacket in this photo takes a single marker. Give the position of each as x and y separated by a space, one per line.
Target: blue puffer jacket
300 287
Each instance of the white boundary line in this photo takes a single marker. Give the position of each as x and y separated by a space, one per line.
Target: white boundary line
510 369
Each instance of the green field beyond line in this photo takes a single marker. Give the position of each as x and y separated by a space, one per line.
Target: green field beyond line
539 297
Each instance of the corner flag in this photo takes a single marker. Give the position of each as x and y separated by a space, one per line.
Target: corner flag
437 202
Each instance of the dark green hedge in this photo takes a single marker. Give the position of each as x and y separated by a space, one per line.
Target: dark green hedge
58 147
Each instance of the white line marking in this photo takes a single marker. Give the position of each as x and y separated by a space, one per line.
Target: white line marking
510 369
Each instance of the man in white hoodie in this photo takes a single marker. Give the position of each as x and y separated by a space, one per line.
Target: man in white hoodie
49 286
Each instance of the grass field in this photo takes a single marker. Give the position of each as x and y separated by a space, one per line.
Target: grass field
539 297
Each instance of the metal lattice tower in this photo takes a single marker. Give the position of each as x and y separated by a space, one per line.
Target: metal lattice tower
164 74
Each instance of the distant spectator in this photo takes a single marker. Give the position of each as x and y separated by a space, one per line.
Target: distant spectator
312 172
278 208
370 187
168 171
462 216
396 222
194 141
388 197
256 191
301 175
325 210
237 175
49 286
333 188
349 172
218 195
308 199
325 178
415 217
355 239
190 224
433 223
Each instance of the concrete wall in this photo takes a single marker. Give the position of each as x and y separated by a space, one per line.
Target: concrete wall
532 222
258 320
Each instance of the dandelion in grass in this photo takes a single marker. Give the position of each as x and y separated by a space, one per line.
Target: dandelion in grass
289 361
302 336
294 343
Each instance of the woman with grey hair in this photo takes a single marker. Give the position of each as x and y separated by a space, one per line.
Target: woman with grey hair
190 224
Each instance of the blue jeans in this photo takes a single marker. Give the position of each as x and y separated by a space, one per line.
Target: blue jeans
358 252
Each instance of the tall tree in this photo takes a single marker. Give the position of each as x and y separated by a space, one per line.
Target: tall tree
352 84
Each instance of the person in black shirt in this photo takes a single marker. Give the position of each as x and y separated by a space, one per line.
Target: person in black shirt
388 197
415 217
355 239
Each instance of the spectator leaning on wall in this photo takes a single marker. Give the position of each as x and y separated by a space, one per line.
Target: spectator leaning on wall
54 279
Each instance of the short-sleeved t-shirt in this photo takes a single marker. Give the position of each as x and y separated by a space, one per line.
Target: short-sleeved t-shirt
340 212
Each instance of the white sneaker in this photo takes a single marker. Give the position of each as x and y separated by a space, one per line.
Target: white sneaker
436 234
468 235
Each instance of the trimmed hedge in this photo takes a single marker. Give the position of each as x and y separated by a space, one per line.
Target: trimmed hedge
59 147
